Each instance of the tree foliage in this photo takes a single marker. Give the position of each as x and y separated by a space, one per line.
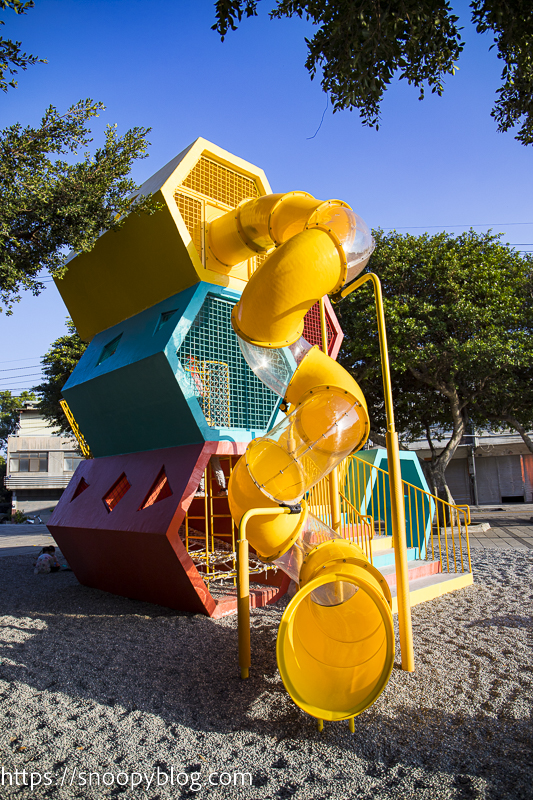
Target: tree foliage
50 206
360 46
512 23
508 403
58 364
459 317
11 57
9 413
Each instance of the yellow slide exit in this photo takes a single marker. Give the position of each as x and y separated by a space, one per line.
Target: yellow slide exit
335 646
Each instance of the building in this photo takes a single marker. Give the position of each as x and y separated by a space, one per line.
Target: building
40 464
487 468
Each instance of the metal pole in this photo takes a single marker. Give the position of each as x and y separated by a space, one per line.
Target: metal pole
334 494
243 606
395 482
243 586
474 473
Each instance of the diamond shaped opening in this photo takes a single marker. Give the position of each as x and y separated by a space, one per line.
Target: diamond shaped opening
158 490
229 393
165 316
109 349
117 492
82 485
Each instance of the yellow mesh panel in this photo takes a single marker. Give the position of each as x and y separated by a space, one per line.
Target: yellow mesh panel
191 211
256 262
220 183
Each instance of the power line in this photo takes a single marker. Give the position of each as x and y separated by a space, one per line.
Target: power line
18 360
8 388
14 369
28 375
476 225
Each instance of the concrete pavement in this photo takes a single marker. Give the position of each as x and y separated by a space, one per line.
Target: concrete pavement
511 527
17 540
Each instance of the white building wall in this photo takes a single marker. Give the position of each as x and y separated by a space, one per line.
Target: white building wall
38 492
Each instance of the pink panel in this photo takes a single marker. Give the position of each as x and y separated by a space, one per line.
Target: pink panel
313 332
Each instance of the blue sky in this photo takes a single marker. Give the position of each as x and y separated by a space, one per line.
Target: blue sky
434 165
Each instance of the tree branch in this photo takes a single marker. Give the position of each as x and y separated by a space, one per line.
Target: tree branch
520 429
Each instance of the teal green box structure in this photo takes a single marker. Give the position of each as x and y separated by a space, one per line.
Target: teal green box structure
169 376
418 515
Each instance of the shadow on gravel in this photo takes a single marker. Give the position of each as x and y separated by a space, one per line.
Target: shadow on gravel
73 643
496 751
60 636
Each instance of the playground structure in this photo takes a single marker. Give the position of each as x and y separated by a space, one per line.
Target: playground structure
165 385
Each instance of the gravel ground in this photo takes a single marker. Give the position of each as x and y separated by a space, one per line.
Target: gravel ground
134 693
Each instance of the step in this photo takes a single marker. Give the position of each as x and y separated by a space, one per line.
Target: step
259 597
384 558
378 543
416 569
423 589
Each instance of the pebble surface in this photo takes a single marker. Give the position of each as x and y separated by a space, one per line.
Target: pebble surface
100 693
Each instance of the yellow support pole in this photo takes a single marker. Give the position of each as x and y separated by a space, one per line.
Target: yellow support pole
334 494
243 607
243 586
395 481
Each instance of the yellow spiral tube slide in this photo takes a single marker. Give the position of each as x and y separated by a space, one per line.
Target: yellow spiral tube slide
335 643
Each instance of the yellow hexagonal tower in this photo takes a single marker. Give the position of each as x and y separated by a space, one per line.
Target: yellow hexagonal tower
154 257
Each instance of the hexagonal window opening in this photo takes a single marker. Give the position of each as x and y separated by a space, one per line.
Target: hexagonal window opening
229 393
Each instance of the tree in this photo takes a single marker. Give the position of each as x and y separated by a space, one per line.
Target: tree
504 409
58 364
9 413
11 56
361 45
459 317
51 206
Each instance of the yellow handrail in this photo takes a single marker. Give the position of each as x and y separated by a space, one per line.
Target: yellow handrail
319 504
447 521
84 447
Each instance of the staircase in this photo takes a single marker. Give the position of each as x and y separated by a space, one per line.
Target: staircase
426 578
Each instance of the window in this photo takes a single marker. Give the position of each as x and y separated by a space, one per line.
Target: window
29 462
71 462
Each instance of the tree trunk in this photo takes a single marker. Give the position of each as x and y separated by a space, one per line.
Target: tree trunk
435 469
521 430
434 472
